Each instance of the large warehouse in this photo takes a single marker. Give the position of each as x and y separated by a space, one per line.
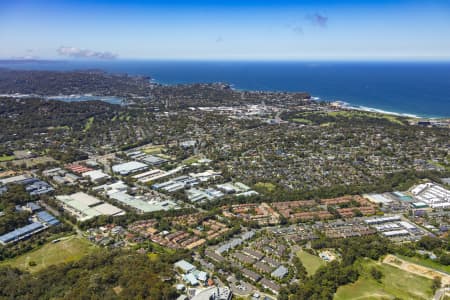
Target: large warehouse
85 207
129 168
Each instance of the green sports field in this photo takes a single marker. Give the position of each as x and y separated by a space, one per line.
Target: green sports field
68 249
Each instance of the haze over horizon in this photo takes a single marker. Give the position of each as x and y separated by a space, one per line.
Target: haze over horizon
226 30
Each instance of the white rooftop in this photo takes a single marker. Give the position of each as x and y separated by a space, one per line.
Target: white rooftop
129 167
95 175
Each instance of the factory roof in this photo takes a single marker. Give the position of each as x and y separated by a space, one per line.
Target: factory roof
129 167
86 206
85 199
108 209
95 175
21 232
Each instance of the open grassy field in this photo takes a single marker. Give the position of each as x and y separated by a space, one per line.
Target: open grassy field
265 186
356 114
301 120
6 157
311 262
394 283
426 262
68 249
192 159
154 149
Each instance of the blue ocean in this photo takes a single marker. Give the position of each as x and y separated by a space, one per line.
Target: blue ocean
420 89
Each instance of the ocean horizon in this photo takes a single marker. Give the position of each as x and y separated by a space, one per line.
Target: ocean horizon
420 89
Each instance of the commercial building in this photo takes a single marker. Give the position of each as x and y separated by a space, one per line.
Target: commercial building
153 160
382 220
142 203
201 195
176 184
129 168
432 194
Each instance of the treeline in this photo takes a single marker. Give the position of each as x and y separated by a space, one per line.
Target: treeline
325 282
402 180
102 275
25 118
429 245
12 219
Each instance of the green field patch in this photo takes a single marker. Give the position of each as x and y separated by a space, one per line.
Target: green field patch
68 249
191 160
311 262
165 156
359 114
7 158
157 149
301 120
394 283
265 186
89 123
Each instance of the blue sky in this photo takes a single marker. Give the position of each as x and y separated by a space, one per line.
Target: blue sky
226 30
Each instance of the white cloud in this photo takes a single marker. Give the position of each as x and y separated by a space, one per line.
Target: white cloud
84 53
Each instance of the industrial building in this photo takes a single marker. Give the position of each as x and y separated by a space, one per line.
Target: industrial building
85 207
129 168
432 194
382 220
201 195
96 175
21 233
176 184
37 187
142 203
395 227
39 222
47 218
237 188
15 179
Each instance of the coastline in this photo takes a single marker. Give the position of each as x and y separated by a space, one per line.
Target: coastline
342 104
322 80
346 105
